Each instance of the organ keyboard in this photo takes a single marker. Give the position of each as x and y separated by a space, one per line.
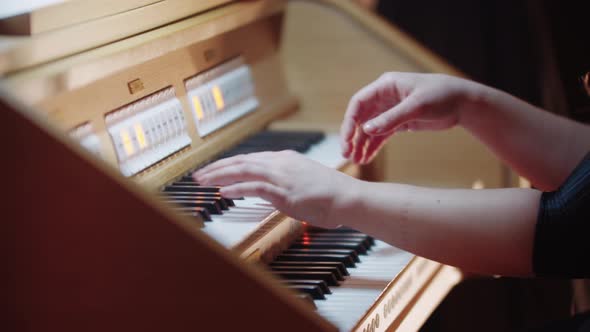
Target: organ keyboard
131 235
230 226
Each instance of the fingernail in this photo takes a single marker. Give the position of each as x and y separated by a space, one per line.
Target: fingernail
346 152
371 128
368 127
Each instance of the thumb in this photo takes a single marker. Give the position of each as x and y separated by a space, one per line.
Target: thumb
386 122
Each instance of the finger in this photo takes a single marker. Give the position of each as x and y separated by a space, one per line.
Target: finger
277 196
409 109
235 160
348 145
405 126
363 102
360 141
348 126
373 146
238 173
432 124
355 115
226 162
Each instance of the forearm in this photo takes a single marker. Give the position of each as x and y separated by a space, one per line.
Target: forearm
539 145
486 231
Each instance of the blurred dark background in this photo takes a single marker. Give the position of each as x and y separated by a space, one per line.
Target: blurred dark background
536 50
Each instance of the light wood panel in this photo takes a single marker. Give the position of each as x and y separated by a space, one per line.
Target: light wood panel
321 67
36 84
84 88
93 252
21 52
64 13
433 293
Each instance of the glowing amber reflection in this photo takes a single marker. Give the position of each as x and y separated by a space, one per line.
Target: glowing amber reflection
306 239
127 144
139 133
218 96
198 107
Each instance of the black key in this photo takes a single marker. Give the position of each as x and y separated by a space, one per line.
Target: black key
344 259
229 202
211 206
364 240
194 211
348 252
327 277
187 178
357 247
198 197
335 272
313 229
310 137
275 141
314 291
319 283
192 188
337 265
321 237
348 239
312 235
183 182
191 194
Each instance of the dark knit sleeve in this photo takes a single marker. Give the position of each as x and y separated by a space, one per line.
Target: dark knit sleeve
562 235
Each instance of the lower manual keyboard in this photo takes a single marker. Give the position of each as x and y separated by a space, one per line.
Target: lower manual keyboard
342 286
353 281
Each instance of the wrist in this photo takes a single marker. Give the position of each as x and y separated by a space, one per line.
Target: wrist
350 205
475 99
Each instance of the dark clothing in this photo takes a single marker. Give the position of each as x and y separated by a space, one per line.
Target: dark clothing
562 236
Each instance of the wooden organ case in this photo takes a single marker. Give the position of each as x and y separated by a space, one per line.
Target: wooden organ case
88 242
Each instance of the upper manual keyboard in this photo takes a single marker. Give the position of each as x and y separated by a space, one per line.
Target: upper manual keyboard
232 220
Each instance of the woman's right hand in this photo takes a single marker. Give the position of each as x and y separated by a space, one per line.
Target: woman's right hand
400 102
298 186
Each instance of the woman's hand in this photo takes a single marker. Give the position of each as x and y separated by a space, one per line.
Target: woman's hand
400 102
294 184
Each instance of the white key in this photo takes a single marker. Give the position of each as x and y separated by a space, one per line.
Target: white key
356 294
